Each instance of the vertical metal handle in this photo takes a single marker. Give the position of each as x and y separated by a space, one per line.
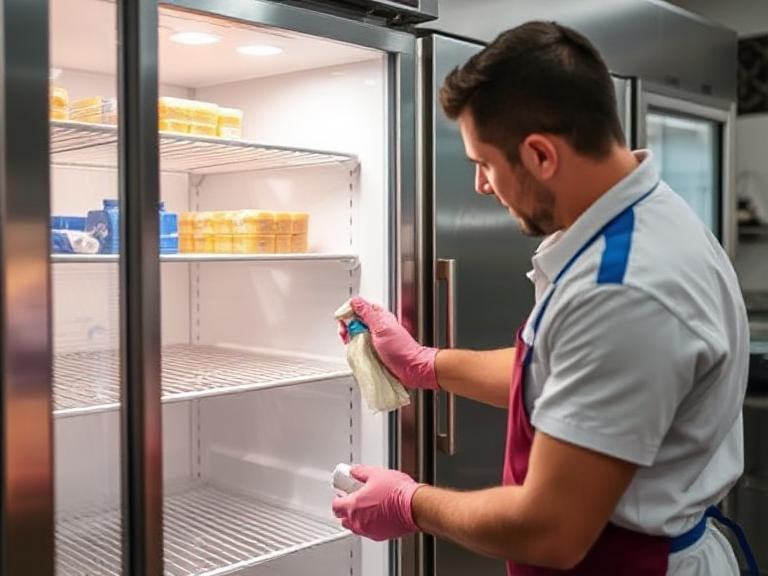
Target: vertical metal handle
446 272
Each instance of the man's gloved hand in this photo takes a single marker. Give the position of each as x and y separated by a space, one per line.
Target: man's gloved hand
381 509
410 362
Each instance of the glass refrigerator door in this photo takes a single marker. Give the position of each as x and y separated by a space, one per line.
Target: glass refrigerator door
688 151
85 284
276 171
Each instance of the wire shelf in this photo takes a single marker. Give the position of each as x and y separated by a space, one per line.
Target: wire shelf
208 532
86 382
81 144
349 260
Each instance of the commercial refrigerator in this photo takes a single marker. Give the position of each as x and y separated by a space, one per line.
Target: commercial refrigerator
180 411
692 137
476 289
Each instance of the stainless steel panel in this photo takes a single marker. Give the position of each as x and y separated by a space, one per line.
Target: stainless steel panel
26 475
749 499
649 39
141 432
397 12
492 291
306 21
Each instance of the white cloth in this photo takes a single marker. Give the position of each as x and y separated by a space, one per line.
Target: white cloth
379 388
652 369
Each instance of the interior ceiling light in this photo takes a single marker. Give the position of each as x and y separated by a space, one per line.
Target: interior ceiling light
259 50
195 38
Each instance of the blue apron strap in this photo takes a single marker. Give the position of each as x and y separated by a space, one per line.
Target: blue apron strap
714 512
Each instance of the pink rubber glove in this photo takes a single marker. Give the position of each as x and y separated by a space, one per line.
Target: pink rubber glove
380 510
410 362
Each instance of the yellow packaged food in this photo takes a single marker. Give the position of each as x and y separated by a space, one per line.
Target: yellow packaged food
283 243
203 113
202 129
230 123
186 243
187 222
58 96
222 243
173 126
253 244
221 222
299 243
58 113
204 243
253 222
86 103
299 222
283 223
94 110
203 223
177 109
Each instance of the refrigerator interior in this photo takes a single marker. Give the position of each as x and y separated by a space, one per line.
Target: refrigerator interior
258 402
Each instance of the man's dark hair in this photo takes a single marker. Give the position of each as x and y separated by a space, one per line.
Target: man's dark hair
539 77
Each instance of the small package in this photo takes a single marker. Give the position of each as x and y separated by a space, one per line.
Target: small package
95 110
282 243
230 123
342 480
59 103
253 222
73 242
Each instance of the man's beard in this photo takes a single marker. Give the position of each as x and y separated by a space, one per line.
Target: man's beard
541 222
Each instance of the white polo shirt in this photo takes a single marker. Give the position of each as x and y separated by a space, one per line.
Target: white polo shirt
647 364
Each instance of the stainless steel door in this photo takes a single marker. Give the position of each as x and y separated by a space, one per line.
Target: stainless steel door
492 294
476 261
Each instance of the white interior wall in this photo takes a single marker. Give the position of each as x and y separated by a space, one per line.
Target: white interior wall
280 444
341 108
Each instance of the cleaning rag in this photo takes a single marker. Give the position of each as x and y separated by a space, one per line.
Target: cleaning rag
379 388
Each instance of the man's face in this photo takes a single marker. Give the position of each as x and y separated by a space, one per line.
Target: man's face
515 188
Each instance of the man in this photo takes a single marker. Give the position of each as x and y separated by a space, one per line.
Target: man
626 384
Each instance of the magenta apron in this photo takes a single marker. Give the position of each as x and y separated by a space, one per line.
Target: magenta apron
617 550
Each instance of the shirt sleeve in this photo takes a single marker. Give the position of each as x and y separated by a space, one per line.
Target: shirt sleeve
619 366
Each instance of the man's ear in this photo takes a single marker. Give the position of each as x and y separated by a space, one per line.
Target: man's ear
539 155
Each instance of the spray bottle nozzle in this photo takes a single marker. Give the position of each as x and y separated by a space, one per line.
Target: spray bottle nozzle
356 327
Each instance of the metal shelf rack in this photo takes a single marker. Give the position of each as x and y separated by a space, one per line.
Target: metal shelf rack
95 145
349 260
88 382
208 532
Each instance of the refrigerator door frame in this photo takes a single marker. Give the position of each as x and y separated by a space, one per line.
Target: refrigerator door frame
627 112
26 422
720 111
396 12
140 330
